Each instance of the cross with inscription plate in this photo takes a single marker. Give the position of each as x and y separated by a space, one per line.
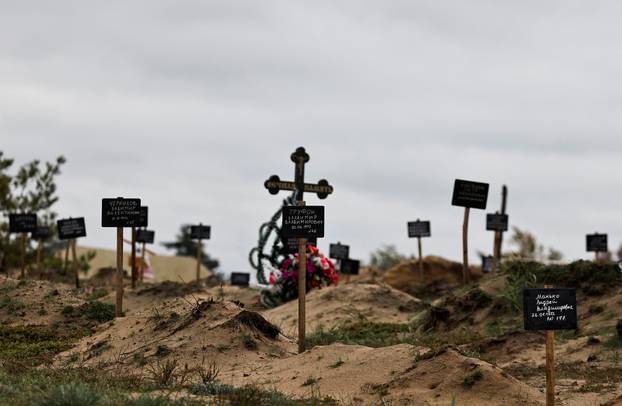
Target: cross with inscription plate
322 189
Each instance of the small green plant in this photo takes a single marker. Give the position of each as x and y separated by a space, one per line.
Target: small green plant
99 311
337 364
97 294
208 373
310 381
249 342
73 394
162 351
473 377
163 374
67 310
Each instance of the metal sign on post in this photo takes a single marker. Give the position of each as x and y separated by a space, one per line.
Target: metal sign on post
596 243
23 223
240 279
350 266
322 189
145 236
550 309
419 229
303 222
70 229
120 213
498 223
339 251
200 232
469 195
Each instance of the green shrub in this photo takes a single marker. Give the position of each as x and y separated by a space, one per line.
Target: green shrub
74 394
97 294
99 311
363 332
67 310
473 377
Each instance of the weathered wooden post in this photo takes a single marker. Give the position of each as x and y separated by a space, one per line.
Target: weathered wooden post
550 309
23 223
499 235
200 233
40 234
469 195
70 229
418 229
120 213
498 223
301 222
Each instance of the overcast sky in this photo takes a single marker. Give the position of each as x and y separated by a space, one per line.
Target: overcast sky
191 105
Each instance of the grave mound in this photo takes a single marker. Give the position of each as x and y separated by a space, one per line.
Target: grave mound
187 331
336 305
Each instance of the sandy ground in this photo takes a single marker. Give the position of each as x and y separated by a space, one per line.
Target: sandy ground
331 306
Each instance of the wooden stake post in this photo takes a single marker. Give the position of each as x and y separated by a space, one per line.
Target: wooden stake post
498 223
120 213
550 309
70 229
200 233
40 234
23 223
143 221
498 242
322 189
418 229
469 195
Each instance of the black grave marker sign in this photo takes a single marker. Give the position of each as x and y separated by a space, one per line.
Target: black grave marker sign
339 251
596 242
470 194
200 232
240 278
40 233
350 266
550 309
419 229
71 228
145 236
22 222
487 264
303 222
497 222
121 212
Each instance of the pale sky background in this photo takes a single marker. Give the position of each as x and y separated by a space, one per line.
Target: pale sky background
191 105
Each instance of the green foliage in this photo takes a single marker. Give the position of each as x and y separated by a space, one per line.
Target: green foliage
363 333
249 342
97 294
337 364
473 377
73 394
187 247
99 311
20 343
253 396
32 188
11 304
528 247
386 257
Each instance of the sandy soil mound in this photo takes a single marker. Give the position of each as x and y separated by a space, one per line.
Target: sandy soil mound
438 274
35 302
399 374
186 330
331 306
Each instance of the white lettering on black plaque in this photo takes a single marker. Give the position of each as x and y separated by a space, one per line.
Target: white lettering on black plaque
338 251
120 212
143 217
350 266
596 242
487 264
497 222
200 232
290 245
40 233
303 222
240 278
419 229
22 223
470 194
145 236
69 229
550 309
